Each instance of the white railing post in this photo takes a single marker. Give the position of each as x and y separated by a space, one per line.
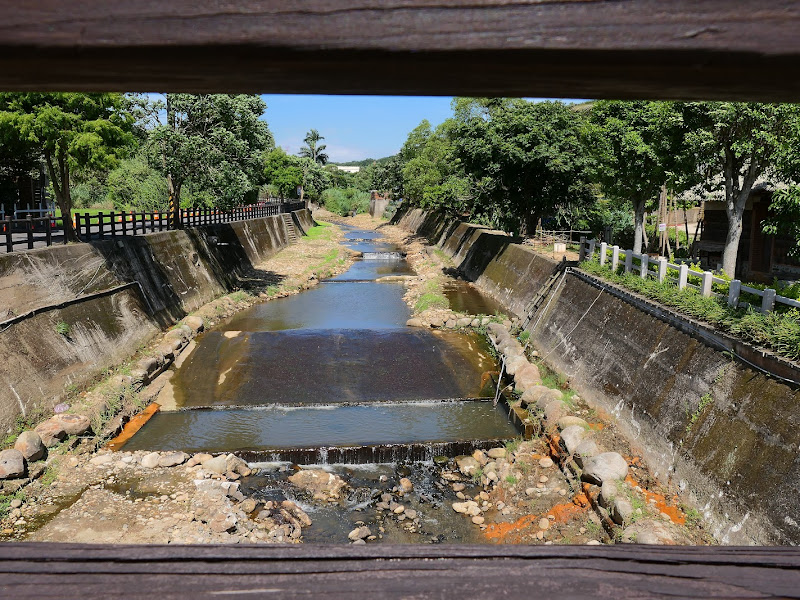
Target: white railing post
644 265
603 250
615 258
628 261
768 300
683 277
705 288
734 289
582 251
662 269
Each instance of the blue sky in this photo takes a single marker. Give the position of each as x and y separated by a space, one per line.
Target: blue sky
355 127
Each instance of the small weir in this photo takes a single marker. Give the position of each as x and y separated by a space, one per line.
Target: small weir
333 377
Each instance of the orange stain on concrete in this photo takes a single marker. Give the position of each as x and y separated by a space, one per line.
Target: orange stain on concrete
672 511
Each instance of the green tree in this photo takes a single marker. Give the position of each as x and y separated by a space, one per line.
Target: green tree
135 185
283 172
638 146
72 131
784 216
216 141
738 142
525 160
313 149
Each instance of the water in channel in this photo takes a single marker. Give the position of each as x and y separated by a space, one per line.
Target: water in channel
334 374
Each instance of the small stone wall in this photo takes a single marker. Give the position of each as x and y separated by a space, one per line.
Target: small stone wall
80 289
725 434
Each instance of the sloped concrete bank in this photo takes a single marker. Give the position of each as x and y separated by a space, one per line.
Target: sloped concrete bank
727 435
67 313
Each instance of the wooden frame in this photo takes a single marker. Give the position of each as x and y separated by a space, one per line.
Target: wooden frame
544 48
710 49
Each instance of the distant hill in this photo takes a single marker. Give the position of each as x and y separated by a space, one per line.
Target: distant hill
364 163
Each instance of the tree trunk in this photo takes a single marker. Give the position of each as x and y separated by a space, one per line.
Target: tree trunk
528 225
60 181
638 219
735 201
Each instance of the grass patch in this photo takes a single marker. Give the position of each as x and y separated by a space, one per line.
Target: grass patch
779 330
63 328
432 296
320 232
477 475
240 296
513 445
511 480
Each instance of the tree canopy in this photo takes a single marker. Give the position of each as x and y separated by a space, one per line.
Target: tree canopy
312 149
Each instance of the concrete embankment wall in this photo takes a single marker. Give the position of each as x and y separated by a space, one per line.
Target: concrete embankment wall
727 434
112 296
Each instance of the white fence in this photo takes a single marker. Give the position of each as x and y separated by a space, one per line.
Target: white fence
664 271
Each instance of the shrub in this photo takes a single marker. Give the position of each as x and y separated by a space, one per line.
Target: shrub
345 201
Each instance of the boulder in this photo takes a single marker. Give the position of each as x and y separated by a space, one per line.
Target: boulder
72 424
30 446
297 512
406 485
234 464
554 411
496 329
467 465
497 453
621 511
172 459
526 378
194 323
359 533
480 456
217 464
586 449
515 364
571 420
150 461
321 484
608 466
50 433
532 394
572 436
650 532
608 493
12 464
464 322
414 322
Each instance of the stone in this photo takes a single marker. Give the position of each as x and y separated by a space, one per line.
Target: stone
248 505
497 453
554 411
172 459
479 456
530 397
586 449
458 487
150 461
572 436
194 323
234 464
322 485
441 460
436 322
450 324
12 464
463 322
621 511
410 513
515 364
51 433
101 459
406 485
460 507
478 520
359 533
649 532
414 322
546 462
467 465
607 466
544 524
297 512
202 457
15 503
218 465
30 445
571 420
527 378
475 322
594 543
608 493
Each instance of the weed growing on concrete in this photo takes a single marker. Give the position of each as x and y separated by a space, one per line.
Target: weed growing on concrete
63 328
705 400
477 475
512 445
778 330
511 480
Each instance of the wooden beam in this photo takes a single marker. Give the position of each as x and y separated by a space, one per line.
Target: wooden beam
31 570
542 48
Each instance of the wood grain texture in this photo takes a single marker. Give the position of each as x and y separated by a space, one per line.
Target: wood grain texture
560 48
30 570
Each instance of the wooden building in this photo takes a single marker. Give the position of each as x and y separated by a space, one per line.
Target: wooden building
761 257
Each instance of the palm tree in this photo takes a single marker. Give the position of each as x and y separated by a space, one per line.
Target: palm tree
313 149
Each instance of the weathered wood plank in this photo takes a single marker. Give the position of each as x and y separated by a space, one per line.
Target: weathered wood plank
31 570
561 48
